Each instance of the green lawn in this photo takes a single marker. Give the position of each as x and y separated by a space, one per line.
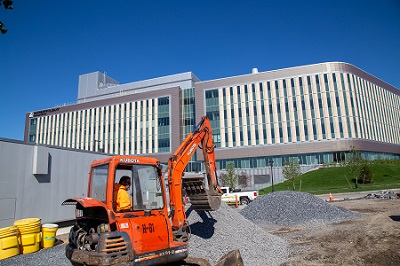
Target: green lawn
339 179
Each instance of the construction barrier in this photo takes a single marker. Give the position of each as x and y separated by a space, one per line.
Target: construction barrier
9 245
29 234
49 235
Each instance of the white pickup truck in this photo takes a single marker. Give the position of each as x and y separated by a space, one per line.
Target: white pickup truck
230 196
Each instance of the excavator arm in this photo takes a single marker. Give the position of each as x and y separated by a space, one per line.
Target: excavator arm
204 193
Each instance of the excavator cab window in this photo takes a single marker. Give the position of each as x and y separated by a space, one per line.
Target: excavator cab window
145 192
99 182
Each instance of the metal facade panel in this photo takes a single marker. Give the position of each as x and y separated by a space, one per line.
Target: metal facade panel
87 84
89 89
41 195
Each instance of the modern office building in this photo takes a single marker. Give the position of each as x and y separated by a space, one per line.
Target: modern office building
315 113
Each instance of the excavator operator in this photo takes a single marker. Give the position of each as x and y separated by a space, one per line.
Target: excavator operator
122 200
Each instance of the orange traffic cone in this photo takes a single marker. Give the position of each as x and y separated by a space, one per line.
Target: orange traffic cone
236 201
330 197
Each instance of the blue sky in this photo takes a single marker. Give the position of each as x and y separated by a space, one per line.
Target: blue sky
50 43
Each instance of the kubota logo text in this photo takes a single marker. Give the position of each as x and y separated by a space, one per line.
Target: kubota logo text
127 160
191 149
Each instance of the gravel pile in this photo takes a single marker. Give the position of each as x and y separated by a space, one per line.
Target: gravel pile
214 233
288 208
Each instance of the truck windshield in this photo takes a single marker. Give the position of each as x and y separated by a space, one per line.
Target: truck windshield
145 191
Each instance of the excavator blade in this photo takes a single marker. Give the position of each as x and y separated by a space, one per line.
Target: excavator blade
201 198
192 261
232 258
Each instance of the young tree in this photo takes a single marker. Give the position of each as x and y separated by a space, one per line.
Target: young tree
355 164
230 178
291 170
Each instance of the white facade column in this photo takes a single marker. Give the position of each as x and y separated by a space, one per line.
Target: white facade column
133 132
275 118
267 101
291 124
221 117
260 115
138 125
236 117
144 128
229 118
244 124
40 128
112 129
107 128
155 125
251 114
102 126
324 97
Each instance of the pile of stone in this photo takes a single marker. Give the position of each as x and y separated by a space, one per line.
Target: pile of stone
289 208
214 233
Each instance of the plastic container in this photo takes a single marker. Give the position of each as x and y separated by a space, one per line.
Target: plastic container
49 235
9 245
30 243
29 230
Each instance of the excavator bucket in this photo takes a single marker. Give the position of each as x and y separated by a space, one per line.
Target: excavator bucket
202 198
232 258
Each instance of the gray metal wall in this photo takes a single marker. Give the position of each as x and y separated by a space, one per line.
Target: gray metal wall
35 180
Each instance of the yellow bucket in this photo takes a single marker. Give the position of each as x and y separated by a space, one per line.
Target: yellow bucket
49 235
9 245
29 230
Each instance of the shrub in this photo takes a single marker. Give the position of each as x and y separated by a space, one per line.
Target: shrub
365 174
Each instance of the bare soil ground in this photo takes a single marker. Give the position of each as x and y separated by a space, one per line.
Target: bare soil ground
373 239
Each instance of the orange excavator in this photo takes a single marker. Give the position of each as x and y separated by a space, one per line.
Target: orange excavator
155 230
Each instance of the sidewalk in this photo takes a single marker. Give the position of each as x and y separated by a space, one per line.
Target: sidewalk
62 234
63 230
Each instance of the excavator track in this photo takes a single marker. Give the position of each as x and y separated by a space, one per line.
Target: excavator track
201 198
